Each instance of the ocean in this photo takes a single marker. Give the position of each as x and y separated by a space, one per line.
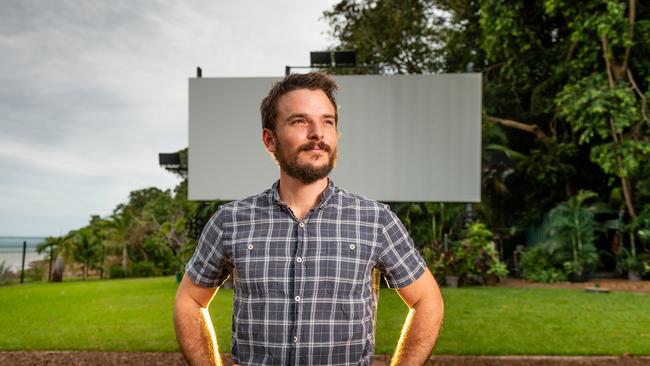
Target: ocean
11 251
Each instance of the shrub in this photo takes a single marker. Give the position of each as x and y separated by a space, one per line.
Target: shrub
5 273
476 257
116 271
539 265
143 269
433 255
35 272
572 236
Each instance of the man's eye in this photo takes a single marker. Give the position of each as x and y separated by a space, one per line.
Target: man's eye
298 121
329 122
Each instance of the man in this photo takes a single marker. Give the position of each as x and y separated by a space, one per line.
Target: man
303 253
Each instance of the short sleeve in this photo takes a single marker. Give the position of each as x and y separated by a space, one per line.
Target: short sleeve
398 260
209 266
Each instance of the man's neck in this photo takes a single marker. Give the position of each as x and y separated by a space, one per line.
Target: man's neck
300 197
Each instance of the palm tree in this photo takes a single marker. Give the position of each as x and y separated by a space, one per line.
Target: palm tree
572 230
117 229
87 248
60 248
49 244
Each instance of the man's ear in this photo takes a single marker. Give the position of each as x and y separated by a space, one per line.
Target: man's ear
268 139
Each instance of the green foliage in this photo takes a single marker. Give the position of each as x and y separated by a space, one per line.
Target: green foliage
626 261
116 271
498 269
143 269
641 225
475 257
35 273
578 71
395 35
63 245
598 112
590 105
150 234
428 222
572 235
569 251
5 273
539 265
87 248
433 255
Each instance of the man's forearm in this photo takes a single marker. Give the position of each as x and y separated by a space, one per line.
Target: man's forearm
419 333
195 333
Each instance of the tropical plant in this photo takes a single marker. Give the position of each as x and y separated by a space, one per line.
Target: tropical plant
626 261
396 36
87 249
498 269
565 90
539 264
429 223
571 233
433 256
475 257
57 247
117 231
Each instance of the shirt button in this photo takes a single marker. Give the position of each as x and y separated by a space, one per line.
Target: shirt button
297 298
250 246
352 246
299 260
295 339
302 224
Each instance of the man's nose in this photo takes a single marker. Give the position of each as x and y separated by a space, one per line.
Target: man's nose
315 130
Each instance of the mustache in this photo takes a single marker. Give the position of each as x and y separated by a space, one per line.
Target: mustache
321 145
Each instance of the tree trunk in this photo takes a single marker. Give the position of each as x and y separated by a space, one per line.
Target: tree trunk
613 77
49 274
59 267
627 193
124 257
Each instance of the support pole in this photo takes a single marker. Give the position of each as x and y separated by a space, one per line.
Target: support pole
22 270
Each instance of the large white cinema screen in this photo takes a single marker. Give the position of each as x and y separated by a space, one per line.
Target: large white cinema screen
402 137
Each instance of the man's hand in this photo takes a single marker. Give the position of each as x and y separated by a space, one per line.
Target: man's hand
194 330
423 322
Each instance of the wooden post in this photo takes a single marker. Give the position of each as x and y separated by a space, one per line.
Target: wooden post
22 270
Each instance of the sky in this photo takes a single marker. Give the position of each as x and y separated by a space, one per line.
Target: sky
92 91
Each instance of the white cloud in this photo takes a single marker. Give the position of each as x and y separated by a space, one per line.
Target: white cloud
91 92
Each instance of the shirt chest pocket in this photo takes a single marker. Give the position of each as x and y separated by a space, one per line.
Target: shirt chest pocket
259 270
348 266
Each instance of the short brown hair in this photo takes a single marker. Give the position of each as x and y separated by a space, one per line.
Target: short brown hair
312 81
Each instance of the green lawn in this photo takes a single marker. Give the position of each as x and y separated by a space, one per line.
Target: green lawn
136 315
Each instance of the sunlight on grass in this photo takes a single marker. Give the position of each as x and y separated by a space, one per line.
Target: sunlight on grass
136 315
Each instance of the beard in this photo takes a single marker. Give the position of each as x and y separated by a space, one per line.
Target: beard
305 173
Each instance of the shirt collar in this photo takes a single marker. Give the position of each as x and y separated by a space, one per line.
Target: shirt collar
325 196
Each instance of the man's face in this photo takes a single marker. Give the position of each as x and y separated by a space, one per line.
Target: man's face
305 138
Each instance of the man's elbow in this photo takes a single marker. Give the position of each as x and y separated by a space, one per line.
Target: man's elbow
431 303
436 299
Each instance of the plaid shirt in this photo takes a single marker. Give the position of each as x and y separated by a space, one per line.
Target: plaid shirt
303 288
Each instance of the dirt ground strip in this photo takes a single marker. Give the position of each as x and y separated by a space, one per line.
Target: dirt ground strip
613 284
87 358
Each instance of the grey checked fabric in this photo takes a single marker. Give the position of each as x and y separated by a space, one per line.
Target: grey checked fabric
303 289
